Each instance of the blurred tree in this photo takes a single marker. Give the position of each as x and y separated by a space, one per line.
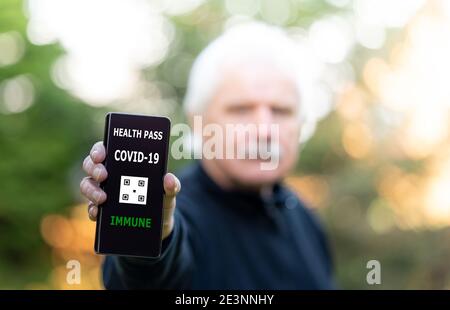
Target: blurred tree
38 148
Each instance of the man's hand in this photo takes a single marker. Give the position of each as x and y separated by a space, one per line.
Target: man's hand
97 173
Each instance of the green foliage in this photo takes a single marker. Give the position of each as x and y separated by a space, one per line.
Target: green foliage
38 150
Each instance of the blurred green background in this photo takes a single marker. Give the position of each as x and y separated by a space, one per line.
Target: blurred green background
376 169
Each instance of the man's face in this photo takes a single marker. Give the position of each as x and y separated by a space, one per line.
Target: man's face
260 96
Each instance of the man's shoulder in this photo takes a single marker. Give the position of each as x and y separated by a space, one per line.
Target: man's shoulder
309 215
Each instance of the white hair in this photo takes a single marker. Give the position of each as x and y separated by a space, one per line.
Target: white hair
245 43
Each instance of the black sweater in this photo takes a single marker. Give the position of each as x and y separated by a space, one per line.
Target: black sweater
231 240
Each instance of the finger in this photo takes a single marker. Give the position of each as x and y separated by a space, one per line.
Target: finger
96 171
92 211
98 153
92 191
171 185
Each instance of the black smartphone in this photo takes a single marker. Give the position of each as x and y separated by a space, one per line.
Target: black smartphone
129 222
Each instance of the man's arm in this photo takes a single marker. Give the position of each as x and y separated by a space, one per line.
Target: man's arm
172 270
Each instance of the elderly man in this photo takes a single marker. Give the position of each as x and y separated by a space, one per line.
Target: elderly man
234 225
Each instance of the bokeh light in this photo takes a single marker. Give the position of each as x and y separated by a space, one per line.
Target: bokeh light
71 238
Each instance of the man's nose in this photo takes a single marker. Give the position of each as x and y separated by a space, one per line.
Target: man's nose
264 119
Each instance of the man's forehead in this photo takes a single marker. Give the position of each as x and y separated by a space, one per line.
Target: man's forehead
257 85
254 69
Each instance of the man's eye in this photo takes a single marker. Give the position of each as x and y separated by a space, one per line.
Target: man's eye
282 111
240 109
